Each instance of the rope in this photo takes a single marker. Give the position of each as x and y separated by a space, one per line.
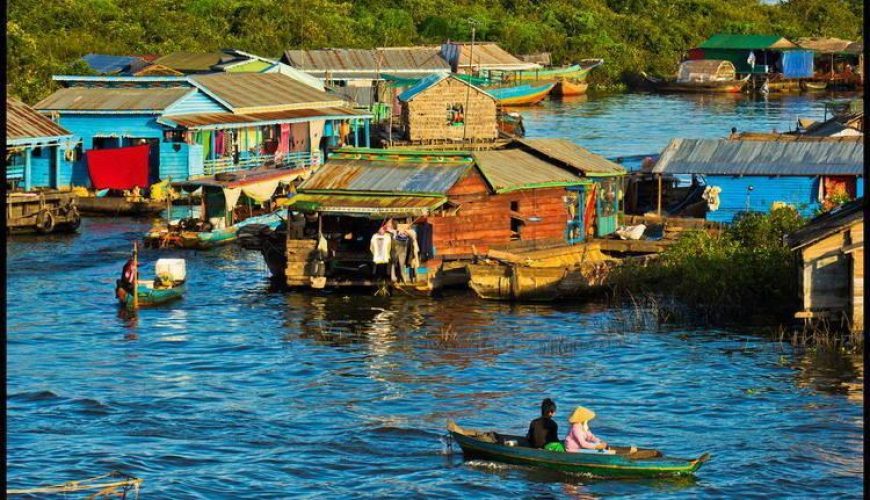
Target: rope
104 489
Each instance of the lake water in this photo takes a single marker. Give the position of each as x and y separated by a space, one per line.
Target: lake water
240 391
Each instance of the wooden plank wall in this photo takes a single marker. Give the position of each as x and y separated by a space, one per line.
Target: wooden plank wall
484 220
857 233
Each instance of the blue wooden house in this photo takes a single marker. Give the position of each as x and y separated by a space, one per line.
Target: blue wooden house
38 149
753 175
201 125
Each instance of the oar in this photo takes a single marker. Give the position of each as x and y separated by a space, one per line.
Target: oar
135 276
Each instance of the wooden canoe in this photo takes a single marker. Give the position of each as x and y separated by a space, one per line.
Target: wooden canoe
712 87
577 72
624 464
567 87
116 206
515 283
813 86
150 296
521 95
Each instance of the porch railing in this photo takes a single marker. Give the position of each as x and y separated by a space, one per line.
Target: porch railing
290 160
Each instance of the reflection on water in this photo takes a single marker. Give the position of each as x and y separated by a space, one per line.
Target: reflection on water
237 390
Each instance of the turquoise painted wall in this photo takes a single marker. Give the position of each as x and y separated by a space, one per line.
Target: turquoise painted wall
42 170
197 102
802 192
86 127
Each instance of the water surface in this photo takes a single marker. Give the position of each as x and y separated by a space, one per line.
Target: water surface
241 391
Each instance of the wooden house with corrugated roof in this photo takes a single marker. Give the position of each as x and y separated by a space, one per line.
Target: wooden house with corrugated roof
460 204
200 125
830 257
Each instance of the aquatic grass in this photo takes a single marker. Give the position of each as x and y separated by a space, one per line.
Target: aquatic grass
744 276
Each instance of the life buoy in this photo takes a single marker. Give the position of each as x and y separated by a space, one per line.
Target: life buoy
45 222
70 155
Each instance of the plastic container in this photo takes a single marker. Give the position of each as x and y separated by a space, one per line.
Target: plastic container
175 269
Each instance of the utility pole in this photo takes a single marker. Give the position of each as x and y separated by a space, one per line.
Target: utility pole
468 83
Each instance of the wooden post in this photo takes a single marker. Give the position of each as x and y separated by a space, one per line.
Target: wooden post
28 178
135 276
659 210
58 161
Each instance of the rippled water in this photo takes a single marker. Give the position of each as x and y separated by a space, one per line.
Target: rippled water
239 391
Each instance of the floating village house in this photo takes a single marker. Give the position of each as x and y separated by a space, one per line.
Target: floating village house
38 150
830 256
753 175
443 108
488 58
764 55
459 203
203 124
840 62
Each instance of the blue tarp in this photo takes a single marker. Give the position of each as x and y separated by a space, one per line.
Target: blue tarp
797 63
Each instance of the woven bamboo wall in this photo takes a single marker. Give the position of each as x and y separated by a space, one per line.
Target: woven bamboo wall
425 116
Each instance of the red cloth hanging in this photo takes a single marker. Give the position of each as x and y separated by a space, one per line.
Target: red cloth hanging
119 168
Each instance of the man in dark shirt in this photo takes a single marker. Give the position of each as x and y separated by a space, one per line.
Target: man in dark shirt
544 430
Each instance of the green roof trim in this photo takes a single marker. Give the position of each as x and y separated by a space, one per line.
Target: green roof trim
746 42
541 185
345 192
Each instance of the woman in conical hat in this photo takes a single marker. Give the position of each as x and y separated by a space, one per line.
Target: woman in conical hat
579 436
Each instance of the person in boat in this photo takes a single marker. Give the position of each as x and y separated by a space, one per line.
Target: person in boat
128 273
544 431
579 436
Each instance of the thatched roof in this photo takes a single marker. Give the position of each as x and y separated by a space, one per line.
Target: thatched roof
824 45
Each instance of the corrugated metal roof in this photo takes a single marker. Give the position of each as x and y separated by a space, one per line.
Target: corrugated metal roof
512 169
206 119
575 156
258 92
827 224
823 45
108 64
363 75
245 178
193 62
768 158
746 42
24 122
388 173
365 205
487 55
423 60
855 48
154 99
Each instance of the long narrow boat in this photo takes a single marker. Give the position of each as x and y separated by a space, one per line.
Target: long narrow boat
714 87
813 85
567 87
576 72
625 463
117 206
520 95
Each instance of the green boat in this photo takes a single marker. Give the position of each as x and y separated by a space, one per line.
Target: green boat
150 296
618 463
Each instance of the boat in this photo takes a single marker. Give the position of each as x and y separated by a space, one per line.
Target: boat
616 463
813 86
42 212
168 284
520 95
568 87
119 206
701 75
230 201
575 72
539 275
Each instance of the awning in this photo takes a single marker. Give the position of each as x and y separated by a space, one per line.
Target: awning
230 120
364 205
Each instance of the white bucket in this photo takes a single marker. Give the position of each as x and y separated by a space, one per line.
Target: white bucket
175 269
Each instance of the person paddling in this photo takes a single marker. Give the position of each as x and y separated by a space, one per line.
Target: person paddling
544 431
580 437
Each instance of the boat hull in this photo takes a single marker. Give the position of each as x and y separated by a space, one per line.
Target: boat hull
149 296
616 466
809 86
565 87
500 282
111 206
576 72
521 95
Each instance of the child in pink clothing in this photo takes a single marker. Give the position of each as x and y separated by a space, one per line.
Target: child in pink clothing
579 436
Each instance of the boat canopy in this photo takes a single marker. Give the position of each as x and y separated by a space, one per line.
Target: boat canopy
706 70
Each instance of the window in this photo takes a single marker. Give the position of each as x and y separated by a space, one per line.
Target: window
173 136
455 115
515 206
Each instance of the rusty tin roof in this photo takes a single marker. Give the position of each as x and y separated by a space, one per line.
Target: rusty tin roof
24 123
263 92
113 100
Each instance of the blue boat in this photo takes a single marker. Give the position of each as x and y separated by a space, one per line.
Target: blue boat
520 95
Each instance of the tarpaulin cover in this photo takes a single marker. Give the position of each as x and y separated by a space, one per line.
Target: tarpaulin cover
797 63
119 168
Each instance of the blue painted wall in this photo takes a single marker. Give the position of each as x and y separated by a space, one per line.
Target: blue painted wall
86 127
197 102
42 168
801 192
